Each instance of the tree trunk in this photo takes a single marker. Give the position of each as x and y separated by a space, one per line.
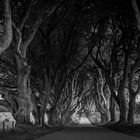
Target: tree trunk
121 90
137 12
104 117
51 118
102 103
46 98
24 89
36 110
131 110
114 101
112 109
103 111
5 26
66 115
123 109
123 103
68 119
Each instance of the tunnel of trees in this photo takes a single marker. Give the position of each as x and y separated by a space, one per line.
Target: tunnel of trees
61 58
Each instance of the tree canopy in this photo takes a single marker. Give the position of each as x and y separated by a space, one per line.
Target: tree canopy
65 57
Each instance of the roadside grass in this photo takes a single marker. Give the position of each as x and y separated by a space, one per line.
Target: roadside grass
129 129
133 130
26 132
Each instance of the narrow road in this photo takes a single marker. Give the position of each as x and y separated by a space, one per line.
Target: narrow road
86 133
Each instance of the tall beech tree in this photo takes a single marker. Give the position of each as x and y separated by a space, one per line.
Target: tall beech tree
23 41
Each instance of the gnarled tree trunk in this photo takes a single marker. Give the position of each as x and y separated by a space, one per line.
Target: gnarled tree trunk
102 101
121 89
24 89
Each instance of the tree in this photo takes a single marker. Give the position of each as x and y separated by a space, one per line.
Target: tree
23 42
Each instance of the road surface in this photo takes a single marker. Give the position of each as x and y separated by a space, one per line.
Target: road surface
86 133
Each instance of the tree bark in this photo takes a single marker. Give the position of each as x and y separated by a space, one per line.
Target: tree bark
24 89
123 108
137 12
112 109
131 110
102 103
104 118
5 25
114 100
121 90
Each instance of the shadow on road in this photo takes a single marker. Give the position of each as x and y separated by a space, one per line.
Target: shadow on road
84 132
